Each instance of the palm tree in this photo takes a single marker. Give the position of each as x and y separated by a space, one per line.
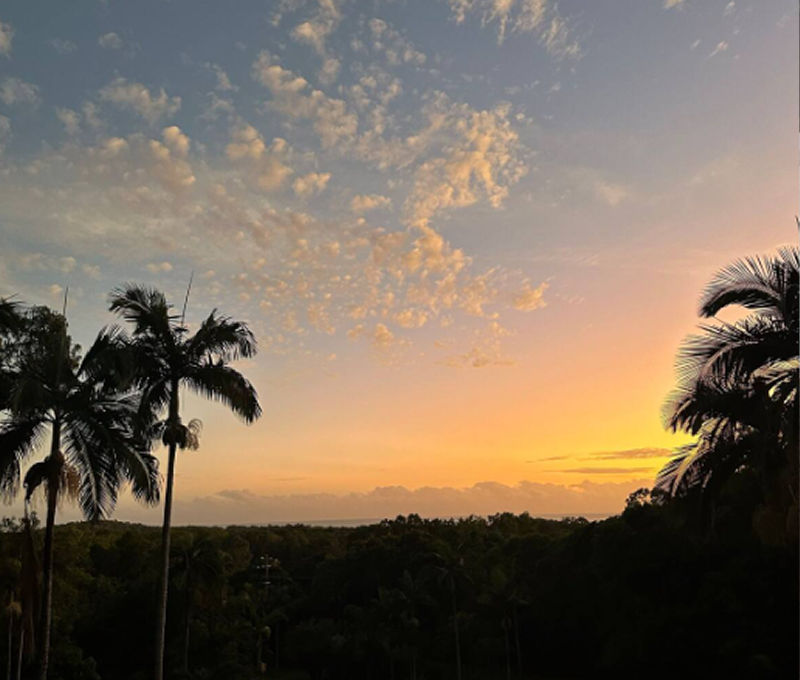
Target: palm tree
738 382
165 358
93 445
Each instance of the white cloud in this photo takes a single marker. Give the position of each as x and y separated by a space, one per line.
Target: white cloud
611 193
361 203
63 46
5 132
539 17
529 298
223 81
110 41
137 98
70 120
14 91
310 184
670 4
6 38
482 162
268 162
315 31
293 96
159 267
393 45
722 46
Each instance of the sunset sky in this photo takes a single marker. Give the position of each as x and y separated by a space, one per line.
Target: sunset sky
469 235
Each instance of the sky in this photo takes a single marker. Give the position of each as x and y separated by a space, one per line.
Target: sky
469 235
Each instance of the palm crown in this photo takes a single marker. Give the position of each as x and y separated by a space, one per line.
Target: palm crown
738 382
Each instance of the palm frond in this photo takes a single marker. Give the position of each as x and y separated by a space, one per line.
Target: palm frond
18 438
221 338
146 308
766 284
226 385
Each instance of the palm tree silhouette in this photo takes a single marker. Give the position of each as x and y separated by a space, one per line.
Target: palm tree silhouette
738 381
93 445
164 358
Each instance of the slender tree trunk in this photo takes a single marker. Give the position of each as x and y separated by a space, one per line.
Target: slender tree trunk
508 649
516 642
20 651
161 628
455 630
10 642
187 624
47 570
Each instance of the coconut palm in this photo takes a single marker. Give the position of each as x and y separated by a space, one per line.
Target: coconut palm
93 449
165 357
738 381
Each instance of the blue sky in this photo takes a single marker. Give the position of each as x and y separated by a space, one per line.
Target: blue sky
468 230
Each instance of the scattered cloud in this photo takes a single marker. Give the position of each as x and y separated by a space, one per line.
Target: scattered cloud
362 203
110 41
529 298
722 46
224 83
70 120
6 38
610 193
159 267
137 98
539 17
5 132
310 184
63 46
633 453
268 163
14 92
670 4
608 470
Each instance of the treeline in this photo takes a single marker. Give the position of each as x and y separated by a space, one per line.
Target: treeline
508 597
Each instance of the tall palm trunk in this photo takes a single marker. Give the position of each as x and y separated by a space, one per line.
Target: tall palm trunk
47 570
165 539
20 651
10 640
455 629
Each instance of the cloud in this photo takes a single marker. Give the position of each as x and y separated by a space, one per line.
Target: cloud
539 17
223 81
6 38
310 184
14 91
293 96
633 453
63 46
244 506
393 45
247 146
315 31
722 46
110 41
159 267
362 203
137 98
610 193
528 298
70 120
608 471
670 4
481 162
5 132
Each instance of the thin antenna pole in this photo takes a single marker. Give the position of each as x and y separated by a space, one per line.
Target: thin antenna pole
186 299
64 308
